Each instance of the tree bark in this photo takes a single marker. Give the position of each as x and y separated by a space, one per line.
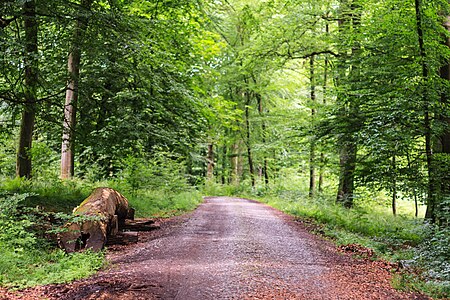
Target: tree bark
265 173
444 72
349 110
106 203
72 92
210 162
312 152
443 140
23 162
347 164
248 141
431 199
394 185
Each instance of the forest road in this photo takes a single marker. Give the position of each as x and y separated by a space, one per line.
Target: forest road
232 248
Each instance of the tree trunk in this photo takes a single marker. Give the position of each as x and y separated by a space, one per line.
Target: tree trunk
347 164
350 111
23 163
71 102
224 164
325 87
248 142
210 162
431 199
443 140
235 163
312 152
110 207
394 185
265 173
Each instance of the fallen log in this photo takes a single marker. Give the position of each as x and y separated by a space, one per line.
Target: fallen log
123 238
109 209
140 225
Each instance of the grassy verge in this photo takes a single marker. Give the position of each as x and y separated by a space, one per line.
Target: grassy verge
28 258
402 239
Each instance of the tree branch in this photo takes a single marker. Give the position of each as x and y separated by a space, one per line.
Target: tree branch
6 22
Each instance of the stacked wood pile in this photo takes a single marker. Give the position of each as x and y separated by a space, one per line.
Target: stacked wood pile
112 222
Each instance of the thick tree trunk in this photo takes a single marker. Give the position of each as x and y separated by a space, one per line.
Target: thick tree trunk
431 199
23 163
112 209
347 173
349 109
71 102
444 138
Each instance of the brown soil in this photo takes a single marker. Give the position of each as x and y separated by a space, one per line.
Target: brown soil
229 248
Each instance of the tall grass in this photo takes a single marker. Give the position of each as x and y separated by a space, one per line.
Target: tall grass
373 227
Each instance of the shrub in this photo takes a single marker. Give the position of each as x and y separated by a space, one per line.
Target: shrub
27 259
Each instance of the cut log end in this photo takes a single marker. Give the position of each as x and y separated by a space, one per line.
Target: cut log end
116 216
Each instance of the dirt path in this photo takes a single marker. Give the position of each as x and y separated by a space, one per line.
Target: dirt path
233 248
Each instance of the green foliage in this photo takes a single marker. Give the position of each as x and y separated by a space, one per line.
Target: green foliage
433 256
376 224
157 186
163 171
212 188
43 266
157 203
29 260
50 193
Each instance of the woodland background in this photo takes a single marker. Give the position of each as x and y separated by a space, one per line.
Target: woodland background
335 110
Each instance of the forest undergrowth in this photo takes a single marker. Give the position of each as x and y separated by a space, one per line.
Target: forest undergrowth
33 211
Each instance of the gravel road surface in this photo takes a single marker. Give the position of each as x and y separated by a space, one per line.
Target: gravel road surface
232 248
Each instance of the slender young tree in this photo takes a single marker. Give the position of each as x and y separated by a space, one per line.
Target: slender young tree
210 162
72 92
312 150
248 141
265 173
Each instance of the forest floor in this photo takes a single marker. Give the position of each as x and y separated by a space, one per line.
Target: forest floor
230 248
